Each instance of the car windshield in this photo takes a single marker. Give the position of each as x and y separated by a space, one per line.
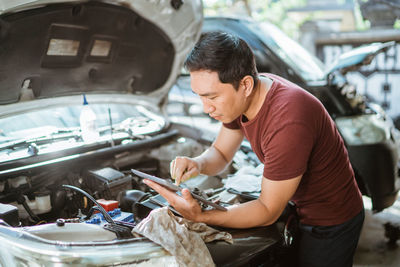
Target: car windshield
306 65
55 129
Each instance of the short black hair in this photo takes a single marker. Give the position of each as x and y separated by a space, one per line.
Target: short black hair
224 53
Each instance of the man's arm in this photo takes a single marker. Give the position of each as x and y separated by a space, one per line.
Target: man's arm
263 211
212 161
221 152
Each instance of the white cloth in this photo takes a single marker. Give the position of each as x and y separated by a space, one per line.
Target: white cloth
182 238
247 179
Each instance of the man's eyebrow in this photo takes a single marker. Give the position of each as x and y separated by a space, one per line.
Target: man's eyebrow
206 94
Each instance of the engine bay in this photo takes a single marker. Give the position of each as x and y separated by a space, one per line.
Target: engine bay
101 191
92 204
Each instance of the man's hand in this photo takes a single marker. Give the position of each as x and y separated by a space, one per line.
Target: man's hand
186 205
263 211
184 168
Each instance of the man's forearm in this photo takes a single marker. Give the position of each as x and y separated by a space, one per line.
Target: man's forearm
211 162
249 214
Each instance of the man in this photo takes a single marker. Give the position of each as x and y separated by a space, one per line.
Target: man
304 157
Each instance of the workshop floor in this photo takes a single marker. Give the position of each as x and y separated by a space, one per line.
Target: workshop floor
373 248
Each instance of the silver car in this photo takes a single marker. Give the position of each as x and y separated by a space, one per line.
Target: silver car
83 85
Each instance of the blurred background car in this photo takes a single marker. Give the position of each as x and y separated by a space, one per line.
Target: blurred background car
369 134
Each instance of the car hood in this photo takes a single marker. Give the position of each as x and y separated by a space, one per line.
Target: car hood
355 58
61 48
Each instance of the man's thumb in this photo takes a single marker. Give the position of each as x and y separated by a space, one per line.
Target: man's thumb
186 194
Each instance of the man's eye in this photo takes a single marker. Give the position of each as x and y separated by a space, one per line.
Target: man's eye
212 97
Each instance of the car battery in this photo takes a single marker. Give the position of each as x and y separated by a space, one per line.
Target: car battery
108 205
108 182
116 215
9 214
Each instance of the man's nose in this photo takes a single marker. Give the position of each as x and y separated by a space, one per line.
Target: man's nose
207 108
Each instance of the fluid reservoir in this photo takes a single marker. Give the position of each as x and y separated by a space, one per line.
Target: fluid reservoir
41 204
87 120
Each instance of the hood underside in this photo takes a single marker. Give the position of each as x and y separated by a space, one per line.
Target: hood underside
358 57
89 47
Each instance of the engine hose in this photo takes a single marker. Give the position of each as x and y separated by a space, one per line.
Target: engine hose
21 200
101 209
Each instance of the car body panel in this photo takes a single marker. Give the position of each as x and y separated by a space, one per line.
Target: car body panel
67 48
357 57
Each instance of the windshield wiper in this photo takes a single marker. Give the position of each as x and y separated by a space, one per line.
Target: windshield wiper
59 134
67 133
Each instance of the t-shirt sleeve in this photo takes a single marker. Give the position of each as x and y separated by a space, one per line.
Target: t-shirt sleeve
232 125
287 152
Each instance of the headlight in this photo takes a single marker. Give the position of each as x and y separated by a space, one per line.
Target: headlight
363 129
19 247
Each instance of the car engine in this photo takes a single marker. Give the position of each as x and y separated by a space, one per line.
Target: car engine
39 196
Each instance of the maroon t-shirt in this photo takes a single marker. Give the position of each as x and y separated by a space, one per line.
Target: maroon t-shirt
294 135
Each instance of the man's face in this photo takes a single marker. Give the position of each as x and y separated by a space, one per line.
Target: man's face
220 100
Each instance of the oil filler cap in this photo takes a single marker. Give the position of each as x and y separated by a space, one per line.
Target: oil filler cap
60 222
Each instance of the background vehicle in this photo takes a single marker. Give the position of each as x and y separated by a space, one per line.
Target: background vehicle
370 137
124 56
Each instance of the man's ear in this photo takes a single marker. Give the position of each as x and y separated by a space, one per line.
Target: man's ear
248 85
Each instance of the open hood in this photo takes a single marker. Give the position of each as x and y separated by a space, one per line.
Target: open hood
61 48
355 58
